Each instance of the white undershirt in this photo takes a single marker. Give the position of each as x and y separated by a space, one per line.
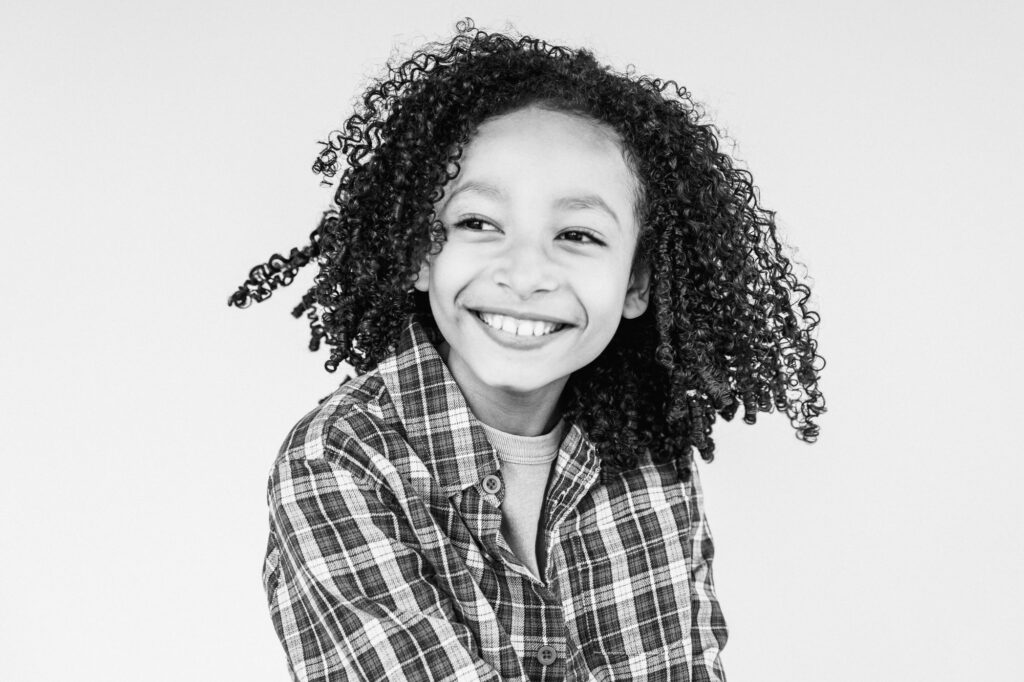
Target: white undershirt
525 467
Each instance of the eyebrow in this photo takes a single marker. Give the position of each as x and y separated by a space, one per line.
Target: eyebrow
585 201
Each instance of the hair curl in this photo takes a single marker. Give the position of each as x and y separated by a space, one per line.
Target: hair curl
728 324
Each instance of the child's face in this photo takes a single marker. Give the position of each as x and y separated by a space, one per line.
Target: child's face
536 271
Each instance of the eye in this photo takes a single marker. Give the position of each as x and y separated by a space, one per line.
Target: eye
475 225
581 236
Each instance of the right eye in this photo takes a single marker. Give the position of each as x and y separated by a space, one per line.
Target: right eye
475 225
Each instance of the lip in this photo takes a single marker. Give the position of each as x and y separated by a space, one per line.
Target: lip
515 341
521 314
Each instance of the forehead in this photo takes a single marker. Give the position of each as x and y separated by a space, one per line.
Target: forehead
549 152
550 124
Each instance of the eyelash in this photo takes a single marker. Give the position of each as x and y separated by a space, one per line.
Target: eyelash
463 224
588 234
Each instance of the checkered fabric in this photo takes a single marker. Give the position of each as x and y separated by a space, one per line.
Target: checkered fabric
386 560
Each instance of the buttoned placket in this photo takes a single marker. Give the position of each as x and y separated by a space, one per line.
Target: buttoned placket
493 492
575 472
494 543
481 511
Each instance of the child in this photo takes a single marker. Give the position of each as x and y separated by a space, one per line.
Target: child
549 282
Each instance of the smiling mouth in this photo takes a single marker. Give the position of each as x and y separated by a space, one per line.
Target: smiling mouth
518 326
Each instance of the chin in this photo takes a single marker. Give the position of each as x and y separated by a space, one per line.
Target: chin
513 381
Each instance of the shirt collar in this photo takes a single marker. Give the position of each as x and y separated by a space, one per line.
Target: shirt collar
439 425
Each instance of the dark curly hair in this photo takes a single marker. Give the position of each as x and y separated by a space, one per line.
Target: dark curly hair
728 323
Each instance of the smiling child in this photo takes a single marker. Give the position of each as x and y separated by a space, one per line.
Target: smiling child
549 282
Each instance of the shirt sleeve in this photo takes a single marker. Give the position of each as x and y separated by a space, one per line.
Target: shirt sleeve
707 627
350 595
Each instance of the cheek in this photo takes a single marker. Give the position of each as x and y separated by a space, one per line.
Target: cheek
604 290
443 268
450 272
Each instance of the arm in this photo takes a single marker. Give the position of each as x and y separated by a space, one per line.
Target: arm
707 626
350 595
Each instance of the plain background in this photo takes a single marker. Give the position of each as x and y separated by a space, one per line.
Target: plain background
152 152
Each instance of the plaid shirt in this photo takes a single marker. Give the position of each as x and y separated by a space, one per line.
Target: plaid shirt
386 560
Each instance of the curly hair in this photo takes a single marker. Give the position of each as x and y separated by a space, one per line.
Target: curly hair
728 324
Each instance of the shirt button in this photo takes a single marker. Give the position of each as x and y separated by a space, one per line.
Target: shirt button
492 484
547 654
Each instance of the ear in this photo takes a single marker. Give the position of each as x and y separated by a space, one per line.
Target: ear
637 293
422 282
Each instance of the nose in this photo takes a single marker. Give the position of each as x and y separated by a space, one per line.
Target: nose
525 269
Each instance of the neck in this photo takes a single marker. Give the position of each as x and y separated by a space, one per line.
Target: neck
530 413
518 414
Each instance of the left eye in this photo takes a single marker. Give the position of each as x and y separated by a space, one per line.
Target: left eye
581 236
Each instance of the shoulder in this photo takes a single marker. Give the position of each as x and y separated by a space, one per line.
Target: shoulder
353 432
652 484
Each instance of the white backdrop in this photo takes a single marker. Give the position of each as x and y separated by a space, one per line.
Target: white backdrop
153 151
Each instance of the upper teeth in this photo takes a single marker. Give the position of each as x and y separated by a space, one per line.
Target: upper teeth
514 325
